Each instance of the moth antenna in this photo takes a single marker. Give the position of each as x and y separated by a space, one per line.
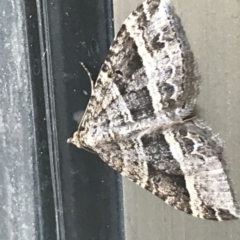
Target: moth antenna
89 75
92 84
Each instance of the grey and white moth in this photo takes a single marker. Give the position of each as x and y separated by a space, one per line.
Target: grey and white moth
138 116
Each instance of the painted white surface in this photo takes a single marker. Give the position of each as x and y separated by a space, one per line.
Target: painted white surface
213 30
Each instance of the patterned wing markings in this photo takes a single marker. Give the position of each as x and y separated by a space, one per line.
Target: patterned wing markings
181 164
148 74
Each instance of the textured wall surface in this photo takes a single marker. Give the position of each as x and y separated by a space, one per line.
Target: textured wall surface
16 166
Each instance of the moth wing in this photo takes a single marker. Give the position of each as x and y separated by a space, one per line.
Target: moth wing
182 165
200 155
148 73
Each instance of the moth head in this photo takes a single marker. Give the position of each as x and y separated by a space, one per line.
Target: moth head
75 139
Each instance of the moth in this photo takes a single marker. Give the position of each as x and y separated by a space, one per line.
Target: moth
139 116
